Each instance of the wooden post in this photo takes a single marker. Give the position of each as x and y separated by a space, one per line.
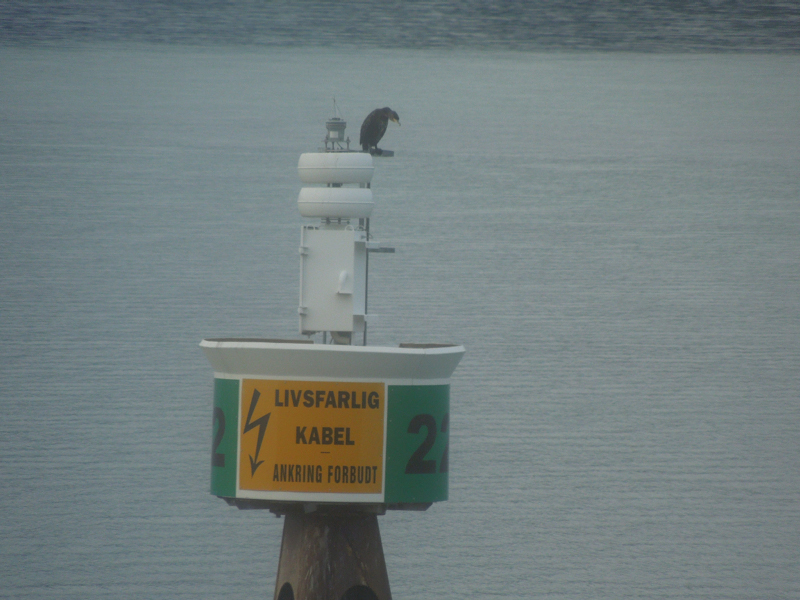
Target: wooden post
331 555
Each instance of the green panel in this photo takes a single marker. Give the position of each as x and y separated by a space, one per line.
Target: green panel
223 440
417 443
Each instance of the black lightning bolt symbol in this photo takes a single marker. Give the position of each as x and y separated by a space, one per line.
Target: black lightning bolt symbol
261 423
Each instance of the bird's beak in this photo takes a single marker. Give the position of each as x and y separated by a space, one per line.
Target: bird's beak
395 120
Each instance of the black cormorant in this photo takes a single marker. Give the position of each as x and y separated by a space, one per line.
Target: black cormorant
374 126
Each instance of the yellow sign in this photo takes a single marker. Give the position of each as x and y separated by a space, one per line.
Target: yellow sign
310 436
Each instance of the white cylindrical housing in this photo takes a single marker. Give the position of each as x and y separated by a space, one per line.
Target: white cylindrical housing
335 202
335 167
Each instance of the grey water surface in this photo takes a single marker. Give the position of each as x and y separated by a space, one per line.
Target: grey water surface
614 237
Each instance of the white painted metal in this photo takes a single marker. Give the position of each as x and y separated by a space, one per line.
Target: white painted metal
332 279
335 202
335 167
310 362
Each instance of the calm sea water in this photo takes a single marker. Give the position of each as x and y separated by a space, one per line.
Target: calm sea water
645 25
613 237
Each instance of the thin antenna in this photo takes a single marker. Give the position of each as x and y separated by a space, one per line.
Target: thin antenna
336 112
